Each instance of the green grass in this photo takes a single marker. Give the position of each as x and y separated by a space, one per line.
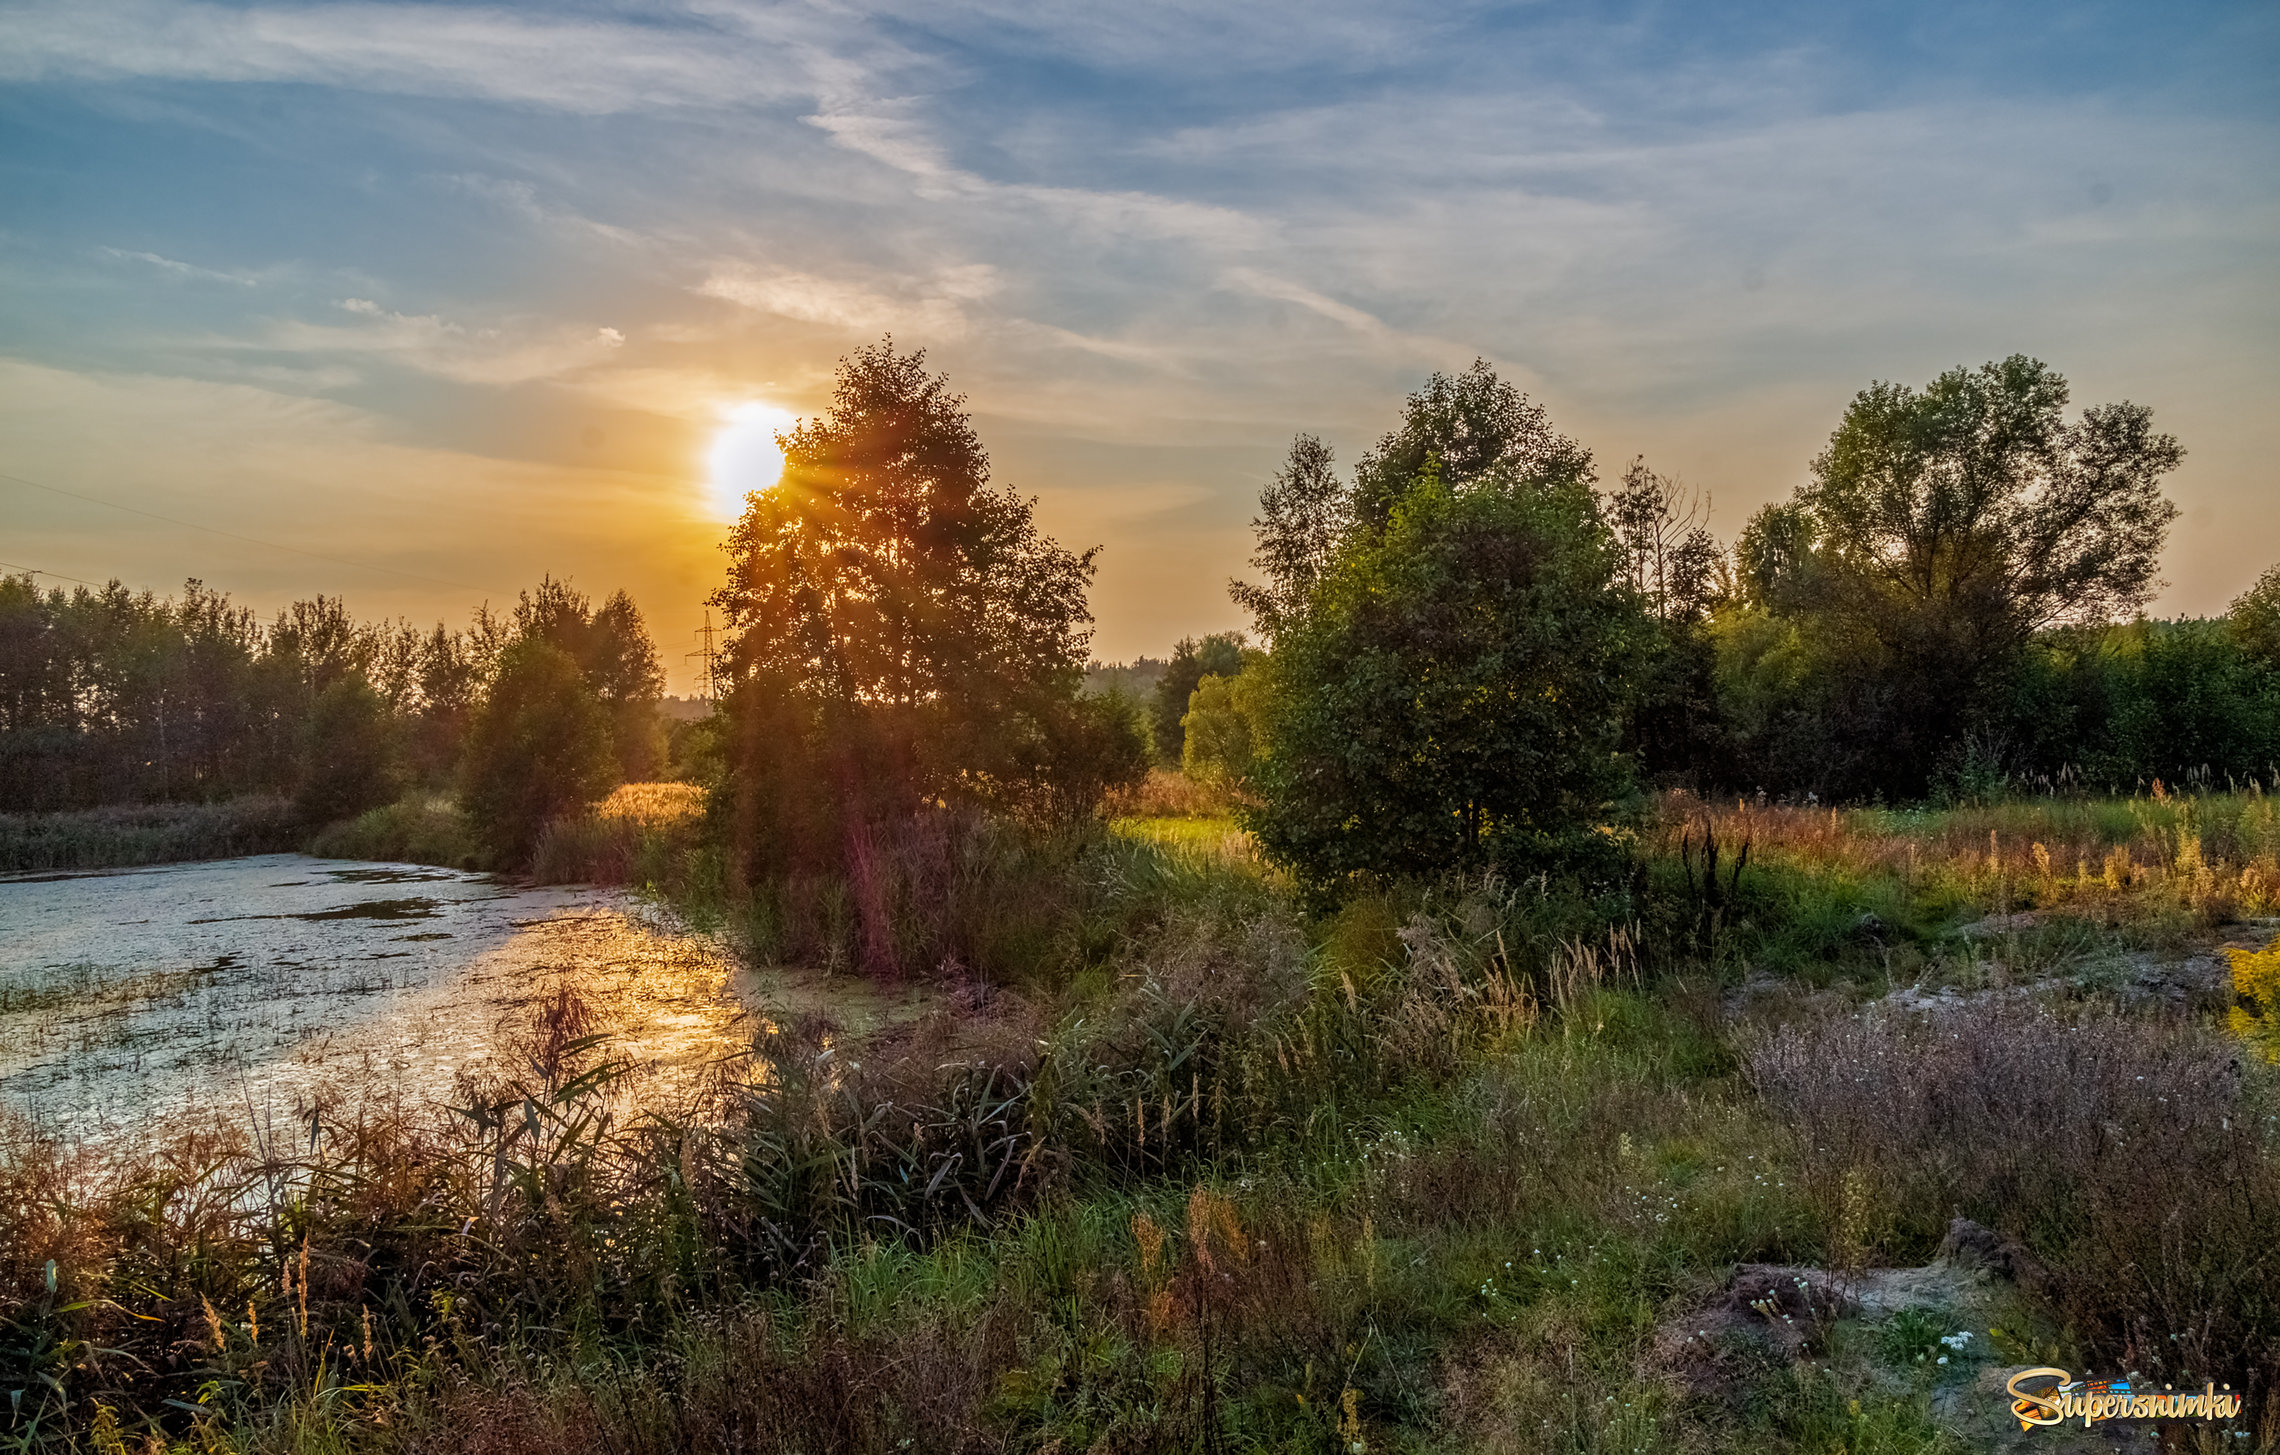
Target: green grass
1194 1171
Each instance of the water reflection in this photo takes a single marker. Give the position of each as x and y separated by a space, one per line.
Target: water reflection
247 984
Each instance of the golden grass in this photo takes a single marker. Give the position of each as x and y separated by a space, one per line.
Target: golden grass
656 805
2217 855
1169 793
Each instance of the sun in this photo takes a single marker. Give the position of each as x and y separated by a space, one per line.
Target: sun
745 456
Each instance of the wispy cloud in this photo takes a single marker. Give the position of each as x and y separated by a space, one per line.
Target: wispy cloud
180 269
579 63
934 306
511 353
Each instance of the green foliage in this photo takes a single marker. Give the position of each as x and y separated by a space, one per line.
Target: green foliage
1941 531
611 646
1474 425
1453 697
538 749
1217 655
906 641
124 835
110 696
423 828
1446 1170
351 760
1303 512
2116 707
1220 730
2255 619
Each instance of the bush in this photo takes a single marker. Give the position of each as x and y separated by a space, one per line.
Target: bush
350 759
426 828
1220 727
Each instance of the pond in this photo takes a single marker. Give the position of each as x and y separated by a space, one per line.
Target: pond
129 999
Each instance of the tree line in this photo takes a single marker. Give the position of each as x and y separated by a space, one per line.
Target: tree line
114 696
1468 651
1471 650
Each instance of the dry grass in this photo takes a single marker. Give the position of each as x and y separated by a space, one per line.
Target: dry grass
657 805
1173 1167
1169 793
2209 857
2131 1153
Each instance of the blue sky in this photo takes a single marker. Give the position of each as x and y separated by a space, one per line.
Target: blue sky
458 294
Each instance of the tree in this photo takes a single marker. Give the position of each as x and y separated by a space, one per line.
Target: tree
1302 514
903 634
1221 743
1452 697
1668 557
538 749
351 760
1219 654
2255 618
612 648
1673 566
1941 530
1474 424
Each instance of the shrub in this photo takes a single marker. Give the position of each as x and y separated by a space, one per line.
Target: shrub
426 828
1452 698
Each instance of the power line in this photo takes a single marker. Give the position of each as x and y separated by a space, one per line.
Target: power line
58 575
233 535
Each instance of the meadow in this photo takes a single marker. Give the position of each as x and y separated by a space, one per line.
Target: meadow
1668 1161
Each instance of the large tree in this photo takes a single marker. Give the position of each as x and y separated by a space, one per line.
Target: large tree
538 750
1448 693
1943 528
904 634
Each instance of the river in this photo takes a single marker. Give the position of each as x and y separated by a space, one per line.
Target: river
136 999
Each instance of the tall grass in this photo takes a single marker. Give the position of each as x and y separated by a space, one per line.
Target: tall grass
2135 1155
1171 1166
124 836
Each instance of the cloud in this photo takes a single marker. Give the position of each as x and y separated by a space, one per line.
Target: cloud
1152 241
181 269
513 353
566 62
932 305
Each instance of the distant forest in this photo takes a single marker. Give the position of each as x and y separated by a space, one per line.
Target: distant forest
114 696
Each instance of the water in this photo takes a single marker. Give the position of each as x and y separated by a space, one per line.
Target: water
131 999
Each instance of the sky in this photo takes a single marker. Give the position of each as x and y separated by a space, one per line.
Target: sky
411 304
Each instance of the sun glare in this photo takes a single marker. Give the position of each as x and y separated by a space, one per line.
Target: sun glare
745 456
